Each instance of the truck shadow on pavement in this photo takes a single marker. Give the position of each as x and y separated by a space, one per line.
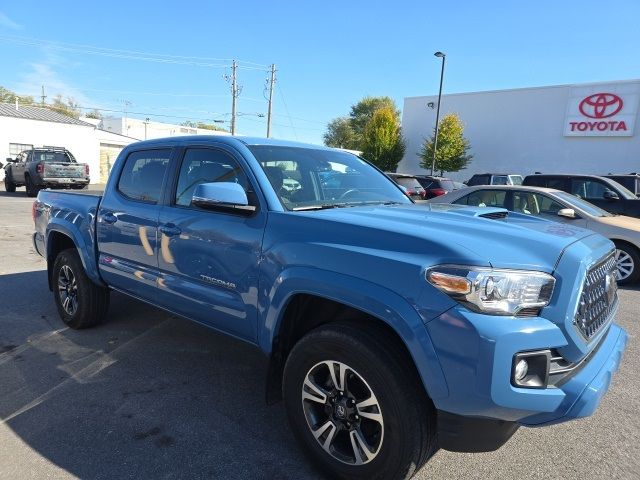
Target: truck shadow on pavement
146 395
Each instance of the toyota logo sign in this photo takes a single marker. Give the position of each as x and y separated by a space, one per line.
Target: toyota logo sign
601 105
605 110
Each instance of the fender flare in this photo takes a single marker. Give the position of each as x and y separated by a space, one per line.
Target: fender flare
85 251
377 301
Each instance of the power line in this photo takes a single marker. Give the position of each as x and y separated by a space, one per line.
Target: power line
131 54
287 110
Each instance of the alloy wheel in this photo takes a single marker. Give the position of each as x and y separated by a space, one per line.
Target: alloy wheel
68 290
624 265
342 412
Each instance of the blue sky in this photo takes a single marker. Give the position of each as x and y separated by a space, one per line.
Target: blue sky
329 54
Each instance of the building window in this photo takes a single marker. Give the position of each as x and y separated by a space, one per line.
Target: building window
16 148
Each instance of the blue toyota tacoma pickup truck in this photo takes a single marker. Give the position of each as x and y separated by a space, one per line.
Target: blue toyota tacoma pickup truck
391 329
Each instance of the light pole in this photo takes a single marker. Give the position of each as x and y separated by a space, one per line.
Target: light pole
435 143
146 122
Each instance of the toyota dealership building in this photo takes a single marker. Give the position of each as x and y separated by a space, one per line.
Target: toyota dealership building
582 128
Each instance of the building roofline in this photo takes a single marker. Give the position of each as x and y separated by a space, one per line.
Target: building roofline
588 84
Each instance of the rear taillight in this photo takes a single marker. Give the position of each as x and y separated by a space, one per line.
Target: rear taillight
438 191
40 168
33 211
86 170
411 191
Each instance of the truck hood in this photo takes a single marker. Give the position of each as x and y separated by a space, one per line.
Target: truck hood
513 241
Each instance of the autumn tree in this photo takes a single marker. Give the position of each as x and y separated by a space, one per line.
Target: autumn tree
382 141
348 132
452 150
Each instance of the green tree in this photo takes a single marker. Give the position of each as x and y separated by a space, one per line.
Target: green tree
7 96
210 126
68 107
383 144
453 147
340 134
95 113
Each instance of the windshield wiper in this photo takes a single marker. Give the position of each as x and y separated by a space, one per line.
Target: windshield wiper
324 206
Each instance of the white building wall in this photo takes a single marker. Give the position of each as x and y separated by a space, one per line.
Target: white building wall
133 127
521 131
80 140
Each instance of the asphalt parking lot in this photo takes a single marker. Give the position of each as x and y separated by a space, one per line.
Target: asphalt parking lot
150 395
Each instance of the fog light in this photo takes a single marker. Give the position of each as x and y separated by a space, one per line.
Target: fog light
531 369
522 367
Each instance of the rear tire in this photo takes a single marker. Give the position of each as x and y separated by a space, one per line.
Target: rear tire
32 190
397 421
627 263
9 186
81 303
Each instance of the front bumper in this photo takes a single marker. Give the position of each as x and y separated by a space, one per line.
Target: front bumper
476 353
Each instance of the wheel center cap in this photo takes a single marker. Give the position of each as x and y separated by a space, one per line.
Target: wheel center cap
340 411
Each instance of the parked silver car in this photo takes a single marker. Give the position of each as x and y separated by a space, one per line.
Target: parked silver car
561 207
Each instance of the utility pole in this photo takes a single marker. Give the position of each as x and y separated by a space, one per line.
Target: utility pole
42 97
234 95
272 81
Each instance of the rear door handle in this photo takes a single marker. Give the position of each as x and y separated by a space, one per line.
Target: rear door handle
109 217
170 230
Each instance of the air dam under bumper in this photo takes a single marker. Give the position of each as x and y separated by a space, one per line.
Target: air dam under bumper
476 353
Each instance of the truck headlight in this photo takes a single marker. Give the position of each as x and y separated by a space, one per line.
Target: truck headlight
494 291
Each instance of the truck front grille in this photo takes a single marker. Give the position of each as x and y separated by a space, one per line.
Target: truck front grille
598 298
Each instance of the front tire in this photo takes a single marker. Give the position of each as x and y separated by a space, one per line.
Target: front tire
81 303
627 263
356 405
9 186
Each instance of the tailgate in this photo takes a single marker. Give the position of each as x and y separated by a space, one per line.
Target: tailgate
64 170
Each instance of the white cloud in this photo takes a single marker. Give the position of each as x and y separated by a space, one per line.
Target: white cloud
46 73
8 23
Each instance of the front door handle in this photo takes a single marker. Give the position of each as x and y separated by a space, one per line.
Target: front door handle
170 230
109 217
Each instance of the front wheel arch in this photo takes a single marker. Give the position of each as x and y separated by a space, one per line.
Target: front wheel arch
304 312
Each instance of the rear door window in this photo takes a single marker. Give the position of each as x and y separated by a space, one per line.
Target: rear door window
143 173
500 180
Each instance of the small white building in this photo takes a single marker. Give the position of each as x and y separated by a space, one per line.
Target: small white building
581 128
147 129
24 127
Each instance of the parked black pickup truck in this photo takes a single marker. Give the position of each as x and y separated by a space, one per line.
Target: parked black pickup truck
603 192
47 167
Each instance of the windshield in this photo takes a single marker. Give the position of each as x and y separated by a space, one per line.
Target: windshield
52 157
622 190
516 179
583 205
307 178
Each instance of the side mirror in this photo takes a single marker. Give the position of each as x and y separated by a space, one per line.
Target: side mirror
609 195
567 213
10 160
225 196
